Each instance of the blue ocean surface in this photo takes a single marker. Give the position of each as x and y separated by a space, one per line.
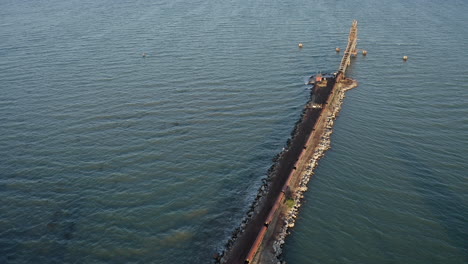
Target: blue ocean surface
109 156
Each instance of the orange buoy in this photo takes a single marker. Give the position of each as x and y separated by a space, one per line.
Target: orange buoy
405 58
300 45
337 49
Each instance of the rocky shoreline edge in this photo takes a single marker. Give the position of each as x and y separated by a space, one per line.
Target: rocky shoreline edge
297 195
260 198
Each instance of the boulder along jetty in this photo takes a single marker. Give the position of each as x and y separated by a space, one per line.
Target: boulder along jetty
260 236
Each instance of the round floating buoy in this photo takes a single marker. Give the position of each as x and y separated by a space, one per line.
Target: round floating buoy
364 52
405 58
337 49
300 45
143 55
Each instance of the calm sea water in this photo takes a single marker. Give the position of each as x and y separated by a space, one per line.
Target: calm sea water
109 157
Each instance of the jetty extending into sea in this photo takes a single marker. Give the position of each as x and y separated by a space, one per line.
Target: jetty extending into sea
261 235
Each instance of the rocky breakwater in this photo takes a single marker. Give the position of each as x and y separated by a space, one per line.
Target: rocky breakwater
243 237
261 200
310 136
328 118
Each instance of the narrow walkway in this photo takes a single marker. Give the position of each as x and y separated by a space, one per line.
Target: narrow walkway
350 49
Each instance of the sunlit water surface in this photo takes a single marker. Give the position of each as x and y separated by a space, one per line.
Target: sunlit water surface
107 156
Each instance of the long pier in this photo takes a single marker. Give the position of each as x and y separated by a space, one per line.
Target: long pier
265 223
350 48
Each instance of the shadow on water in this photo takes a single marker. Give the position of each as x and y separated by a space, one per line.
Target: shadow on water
53 236
446 206
383 245
61 229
